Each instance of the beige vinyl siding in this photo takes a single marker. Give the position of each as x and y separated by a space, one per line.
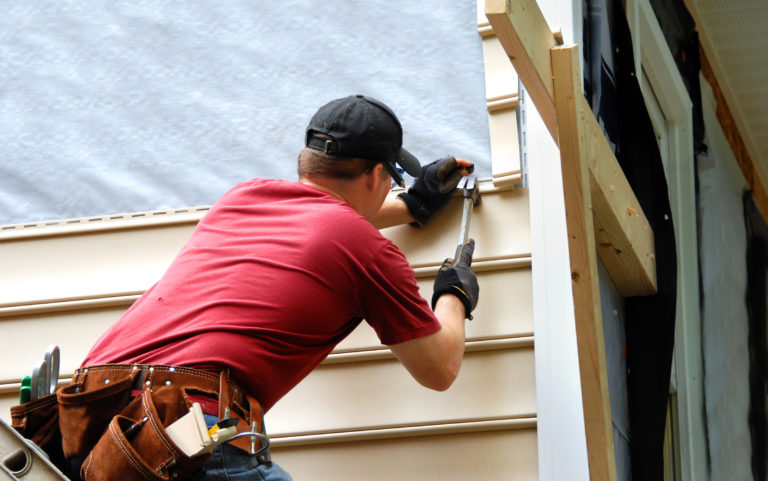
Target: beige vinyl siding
502 97
508 455
65 284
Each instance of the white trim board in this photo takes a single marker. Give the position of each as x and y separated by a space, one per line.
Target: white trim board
653 56
562 439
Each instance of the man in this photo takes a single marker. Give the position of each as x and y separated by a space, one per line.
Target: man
274 276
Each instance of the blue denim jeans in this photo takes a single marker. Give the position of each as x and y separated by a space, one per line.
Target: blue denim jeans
230 463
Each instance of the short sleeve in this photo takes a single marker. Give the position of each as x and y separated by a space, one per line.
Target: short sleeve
390 299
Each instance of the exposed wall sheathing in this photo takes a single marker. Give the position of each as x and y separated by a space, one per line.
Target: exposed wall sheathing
725 328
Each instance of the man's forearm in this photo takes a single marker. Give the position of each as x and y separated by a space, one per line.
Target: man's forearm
434 360
449 310
393 212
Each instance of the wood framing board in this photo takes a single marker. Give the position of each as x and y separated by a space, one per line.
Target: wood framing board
625 238
523 32
576 147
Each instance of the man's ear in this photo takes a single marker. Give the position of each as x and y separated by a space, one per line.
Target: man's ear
373 177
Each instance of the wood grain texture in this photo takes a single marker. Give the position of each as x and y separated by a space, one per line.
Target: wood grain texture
523 32
575 146
625 239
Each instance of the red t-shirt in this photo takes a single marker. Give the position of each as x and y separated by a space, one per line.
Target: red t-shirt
274 276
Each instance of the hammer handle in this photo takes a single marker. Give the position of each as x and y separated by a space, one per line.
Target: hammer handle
464 231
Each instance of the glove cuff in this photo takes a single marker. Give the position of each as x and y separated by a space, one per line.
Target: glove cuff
416 208
448 282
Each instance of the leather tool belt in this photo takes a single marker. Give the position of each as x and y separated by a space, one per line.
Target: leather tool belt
114 417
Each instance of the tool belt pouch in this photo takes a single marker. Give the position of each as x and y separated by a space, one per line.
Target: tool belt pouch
136 445
38 421
85 413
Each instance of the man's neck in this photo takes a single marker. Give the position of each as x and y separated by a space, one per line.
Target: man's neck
352 191
323 186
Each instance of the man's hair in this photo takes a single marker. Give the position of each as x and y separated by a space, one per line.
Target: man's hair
314 162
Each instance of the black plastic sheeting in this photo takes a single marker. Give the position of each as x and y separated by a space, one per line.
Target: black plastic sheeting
612 88
757 283
679 31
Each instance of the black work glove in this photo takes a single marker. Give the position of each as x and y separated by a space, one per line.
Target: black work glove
432 188
458 280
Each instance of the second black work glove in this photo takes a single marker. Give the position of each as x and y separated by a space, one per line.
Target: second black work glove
432 188
459 280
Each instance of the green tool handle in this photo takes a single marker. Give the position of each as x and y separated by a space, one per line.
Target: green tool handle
25 393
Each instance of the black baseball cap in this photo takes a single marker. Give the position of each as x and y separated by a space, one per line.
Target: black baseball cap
363 127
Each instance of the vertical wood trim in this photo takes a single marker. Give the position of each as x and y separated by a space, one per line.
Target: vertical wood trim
575 148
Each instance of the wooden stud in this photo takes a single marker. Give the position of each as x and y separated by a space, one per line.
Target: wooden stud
576 146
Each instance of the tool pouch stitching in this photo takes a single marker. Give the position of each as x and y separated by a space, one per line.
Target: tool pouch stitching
137 446
83 416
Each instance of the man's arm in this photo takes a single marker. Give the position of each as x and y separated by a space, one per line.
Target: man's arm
434 360
428 194
393 212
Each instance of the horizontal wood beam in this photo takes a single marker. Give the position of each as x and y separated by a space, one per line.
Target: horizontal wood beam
625 241
624 237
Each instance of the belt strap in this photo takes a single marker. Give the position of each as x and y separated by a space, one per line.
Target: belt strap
255 422
147 376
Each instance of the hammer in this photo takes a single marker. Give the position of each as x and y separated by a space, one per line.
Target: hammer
468 184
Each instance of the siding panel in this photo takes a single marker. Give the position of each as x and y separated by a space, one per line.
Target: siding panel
506 455
353 396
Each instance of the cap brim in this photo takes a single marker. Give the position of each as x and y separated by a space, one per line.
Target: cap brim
409 163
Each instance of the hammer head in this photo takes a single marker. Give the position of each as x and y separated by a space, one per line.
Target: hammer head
470 189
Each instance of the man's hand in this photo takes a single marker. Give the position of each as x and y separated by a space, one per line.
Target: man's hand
432 189
458 280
